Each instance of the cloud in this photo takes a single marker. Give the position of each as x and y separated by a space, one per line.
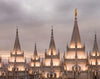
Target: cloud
35 17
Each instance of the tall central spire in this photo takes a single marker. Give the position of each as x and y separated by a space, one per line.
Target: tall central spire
52 42
75 34
17 43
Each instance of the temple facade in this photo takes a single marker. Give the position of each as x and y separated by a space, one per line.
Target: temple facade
51 64
35 66
17 63
75 59
94 61
75 64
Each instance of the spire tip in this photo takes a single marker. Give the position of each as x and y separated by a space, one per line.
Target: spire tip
76 13
35 50
95 36
52 31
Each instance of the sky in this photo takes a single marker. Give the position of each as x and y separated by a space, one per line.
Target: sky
34 19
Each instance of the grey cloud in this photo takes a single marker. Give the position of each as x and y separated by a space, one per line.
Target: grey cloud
35 23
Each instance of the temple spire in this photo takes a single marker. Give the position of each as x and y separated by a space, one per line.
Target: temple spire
35 50
95 47
17 43
75 34
76 13
52 32
52 42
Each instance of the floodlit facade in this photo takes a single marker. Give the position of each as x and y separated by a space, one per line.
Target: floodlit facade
17 63
51 64
34 66
94 61
75 64
75 59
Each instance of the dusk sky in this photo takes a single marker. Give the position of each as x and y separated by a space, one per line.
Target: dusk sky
34 19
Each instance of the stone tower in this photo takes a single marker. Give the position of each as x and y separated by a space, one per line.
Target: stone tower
52 65
94 61
34 66
75 59
17 62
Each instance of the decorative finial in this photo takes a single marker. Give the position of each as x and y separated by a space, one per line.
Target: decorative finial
35 45
51 31
35 50
75 12
95 36
16 29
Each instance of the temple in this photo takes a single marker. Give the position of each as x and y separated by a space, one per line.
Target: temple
17 62
34 66
76 63
51 64
75 58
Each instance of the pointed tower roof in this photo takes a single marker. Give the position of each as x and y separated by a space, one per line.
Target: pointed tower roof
35 50
52 42
95 46
75 34
17 43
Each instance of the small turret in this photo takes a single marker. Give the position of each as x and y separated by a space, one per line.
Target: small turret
35 50
95 47
17 43
52 42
